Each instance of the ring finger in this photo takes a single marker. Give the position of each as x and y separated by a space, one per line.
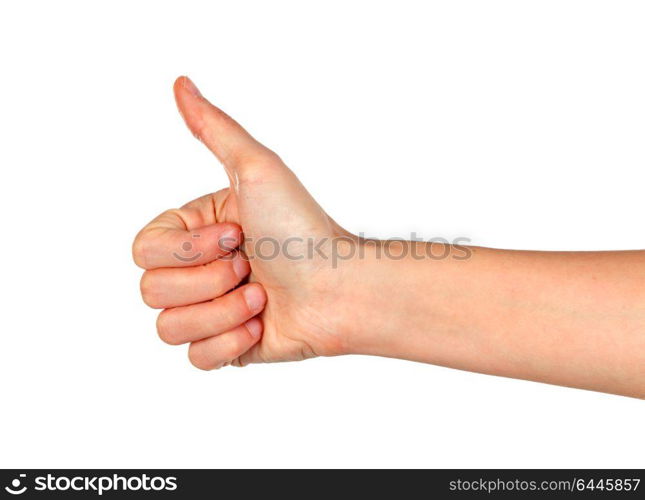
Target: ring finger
189 323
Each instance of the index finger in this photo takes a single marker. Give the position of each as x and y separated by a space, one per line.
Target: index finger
168 242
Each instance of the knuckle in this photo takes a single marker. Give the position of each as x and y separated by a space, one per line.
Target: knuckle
165 330
257 167
232 316
219 199
149 292
198 358
139 251
253 173
233 348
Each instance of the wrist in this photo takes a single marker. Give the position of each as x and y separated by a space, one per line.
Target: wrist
399 295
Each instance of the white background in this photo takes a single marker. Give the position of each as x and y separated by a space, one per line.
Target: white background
517 124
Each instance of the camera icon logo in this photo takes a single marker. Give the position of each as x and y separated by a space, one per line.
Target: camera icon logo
187 254
15 488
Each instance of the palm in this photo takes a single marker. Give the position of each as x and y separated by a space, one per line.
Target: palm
272 207
296 323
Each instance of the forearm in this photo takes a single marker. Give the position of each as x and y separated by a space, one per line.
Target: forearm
575 319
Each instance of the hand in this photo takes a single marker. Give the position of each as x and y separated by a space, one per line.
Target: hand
295 312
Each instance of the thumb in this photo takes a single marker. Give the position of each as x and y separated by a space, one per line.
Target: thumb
266 189
238 151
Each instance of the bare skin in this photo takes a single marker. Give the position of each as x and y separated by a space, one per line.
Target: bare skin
567 318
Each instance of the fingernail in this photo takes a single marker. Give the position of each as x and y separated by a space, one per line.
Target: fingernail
190 87
229 240
254 298
241 266
254 326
